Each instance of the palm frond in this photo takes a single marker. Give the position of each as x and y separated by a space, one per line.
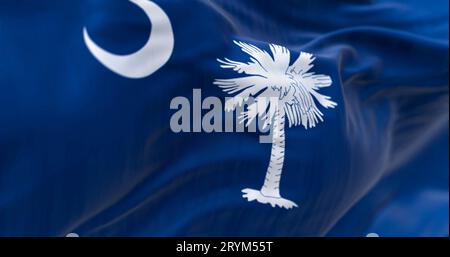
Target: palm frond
316 81
302 110
264 107
244 86
322 80
281 58
257 55
303 63
313 82
323 99
250 68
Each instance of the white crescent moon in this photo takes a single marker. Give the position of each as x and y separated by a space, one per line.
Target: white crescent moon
152 56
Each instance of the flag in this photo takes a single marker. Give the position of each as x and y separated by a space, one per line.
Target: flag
224 118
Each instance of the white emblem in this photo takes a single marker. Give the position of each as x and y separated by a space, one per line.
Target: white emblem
279 91
152 56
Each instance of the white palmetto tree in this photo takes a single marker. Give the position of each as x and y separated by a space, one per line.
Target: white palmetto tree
278 90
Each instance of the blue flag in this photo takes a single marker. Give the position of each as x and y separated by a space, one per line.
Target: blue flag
224 118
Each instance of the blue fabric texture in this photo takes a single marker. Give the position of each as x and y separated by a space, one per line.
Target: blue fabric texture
85 150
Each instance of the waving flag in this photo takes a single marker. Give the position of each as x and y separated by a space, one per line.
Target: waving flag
224 118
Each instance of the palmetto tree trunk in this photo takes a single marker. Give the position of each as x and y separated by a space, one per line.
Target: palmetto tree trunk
271 185
270 191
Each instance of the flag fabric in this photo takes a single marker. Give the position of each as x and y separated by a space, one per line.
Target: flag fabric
87 145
